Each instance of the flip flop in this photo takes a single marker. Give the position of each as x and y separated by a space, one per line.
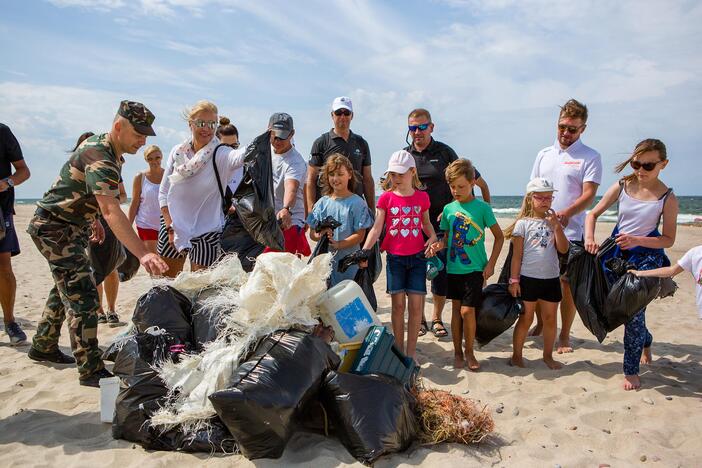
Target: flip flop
439 332
423 328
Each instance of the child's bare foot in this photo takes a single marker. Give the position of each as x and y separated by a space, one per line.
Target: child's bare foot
646 357
473 363
458 362
517 361
632 382
536 331
552 364
564 346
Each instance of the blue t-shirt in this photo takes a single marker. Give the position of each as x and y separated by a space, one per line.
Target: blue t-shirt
465 225
353 214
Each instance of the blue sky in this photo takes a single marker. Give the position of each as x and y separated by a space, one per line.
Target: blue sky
491 72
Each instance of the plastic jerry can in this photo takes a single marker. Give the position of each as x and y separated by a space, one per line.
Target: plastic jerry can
346 308
109 389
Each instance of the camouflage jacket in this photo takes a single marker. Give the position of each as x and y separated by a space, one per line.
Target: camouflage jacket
92 169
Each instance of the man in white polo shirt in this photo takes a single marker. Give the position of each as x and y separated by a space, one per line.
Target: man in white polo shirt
576 171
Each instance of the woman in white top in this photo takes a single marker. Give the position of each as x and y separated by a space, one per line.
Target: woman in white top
144 208
189 197
643 199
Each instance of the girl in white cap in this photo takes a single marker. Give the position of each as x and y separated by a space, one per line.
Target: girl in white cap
403 210
537 237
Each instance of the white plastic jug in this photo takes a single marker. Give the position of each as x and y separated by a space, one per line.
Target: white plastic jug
109 388
346 308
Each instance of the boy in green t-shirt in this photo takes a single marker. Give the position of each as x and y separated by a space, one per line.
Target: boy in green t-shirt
463 223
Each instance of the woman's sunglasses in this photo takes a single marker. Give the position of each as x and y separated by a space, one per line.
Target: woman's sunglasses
648 167
203 123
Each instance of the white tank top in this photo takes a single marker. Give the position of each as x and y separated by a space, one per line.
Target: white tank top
639 217
149 213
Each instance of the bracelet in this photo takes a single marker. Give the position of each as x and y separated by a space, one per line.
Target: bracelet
169 229
514 281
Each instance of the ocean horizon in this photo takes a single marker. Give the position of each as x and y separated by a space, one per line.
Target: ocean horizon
507 206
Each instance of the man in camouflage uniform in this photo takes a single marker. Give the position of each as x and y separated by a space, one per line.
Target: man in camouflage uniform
87 186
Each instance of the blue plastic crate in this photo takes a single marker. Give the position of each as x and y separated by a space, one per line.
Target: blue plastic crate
379 355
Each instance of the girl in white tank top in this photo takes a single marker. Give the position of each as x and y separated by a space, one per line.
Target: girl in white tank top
643 200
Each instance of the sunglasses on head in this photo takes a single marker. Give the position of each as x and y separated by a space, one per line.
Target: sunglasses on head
204 124
568 128
344 112
648 167
421 127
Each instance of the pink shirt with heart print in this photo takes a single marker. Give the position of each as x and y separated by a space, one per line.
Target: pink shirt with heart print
403 222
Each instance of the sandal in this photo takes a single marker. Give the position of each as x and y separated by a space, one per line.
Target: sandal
423 328
438 328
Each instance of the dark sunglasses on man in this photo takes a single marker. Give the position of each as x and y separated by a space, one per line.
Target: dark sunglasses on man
340 112
420 127
648 167
569 128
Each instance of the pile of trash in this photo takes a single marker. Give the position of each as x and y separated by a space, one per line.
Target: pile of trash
224 361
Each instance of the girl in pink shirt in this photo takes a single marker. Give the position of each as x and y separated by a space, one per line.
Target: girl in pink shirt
404 212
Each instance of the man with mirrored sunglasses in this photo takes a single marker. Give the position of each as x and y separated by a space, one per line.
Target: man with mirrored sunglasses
576 172
432 158
342 140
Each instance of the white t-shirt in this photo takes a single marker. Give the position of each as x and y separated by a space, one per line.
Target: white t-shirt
692 262
569 169
287 166
540 258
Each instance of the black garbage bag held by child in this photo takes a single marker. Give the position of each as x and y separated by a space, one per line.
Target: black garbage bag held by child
589 288
167 308
373 415
365 277
106 257
253 198
129 267
266 394
630 294
497 313
322 246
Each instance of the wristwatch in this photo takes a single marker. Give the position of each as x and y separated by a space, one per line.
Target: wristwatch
10 182
287 208
514 281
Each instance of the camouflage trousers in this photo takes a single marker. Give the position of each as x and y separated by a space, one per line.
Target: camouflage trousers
73 295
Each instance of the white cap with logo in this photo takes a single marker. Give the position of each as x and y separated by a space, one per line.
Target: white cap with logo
342 102
539 184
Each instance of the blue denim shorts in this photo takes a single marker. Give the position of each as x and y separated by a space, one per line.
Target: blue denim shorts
406 273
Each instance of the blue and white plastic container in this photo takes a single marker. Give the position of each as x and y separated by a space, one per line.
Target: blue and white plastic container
346 308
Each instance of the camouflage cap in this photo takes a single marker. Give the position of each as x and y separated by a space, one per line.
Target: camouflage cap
138 115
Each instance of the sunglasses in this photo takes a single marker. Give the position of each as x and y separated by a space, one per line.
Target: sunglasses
344 112
569 128
542 199
157 158
204 124
648 167
235 145
421 127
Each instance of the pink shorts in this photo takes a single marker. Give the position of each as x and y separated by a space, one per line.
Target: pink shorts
147 234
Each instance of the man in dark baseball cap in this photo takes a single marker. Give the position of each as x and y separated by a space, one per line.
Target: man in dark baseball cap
140 117
281 124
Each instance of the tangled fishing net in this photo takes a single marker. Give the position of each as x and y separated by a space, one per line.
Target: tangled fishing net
444 417
281 292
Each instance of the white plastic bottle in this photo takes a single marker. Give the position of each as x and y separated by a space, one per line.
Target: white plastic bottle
346 308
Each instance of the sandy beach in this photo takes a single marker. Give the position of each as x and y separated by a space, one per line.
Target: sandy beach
578 416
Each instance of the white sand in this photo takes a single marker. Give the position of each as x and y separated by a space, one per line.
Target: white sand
578 416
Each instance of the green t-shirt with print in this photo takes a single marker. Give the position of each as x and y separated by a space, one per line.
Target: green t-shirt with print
465 225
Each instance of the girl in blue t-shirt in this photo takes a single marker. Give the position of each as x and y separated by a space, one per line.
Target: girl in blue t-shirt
341 203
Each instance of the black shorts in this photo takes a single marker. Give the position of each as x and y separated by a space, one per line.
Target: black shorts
9 243
534 289
467 288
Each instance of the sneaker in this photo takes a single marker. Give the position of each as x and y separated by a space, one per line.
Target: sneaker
55 356
113 319
17 336
93 380
102 318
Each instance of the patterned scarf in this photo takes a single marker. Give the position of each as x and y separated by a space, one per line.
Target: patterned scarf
184 167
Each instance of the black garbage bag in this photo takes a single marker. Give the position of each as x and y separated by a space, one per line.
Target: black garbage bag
373 415
253 198
206 323
236 239
110 354
630 293
213 439
589 288
497 313
322 246
129 267
265 397
365 281
167 308
142 392
105 257
365 277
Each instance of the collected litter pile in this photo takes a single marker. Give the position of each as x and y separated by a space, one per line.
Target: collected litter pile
224 361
